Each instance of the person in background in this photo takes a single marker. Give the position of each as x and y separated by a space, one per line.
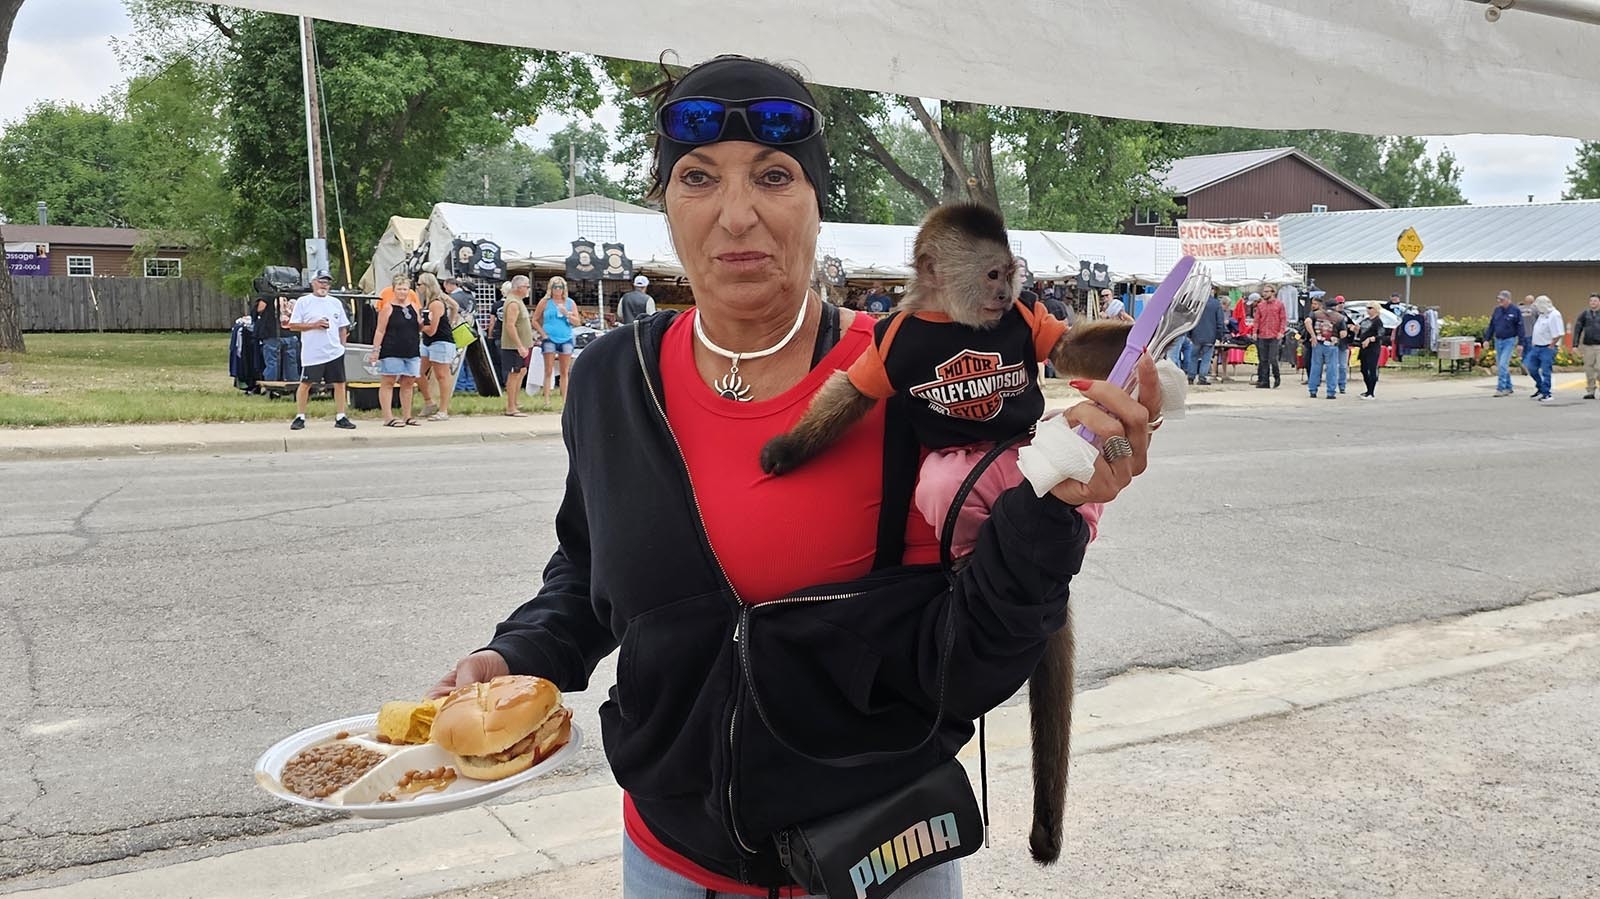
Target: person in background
877 301
1505 333
1586 339
323 326
1323 325
1528 318
439 315
397 351
1369 348
465 301
1548 329
1210 330
556 315
1057 307
1271 323
398 289
516 340
635 304
1347 341
1113 308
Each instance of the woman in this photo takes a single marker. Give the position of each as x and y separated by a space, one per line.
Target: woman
397 350
1369 341
400 289
439 314
556 315
676 559
516 341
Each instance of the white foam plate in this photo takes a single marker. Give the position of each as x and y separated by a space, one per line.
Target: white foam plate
361 798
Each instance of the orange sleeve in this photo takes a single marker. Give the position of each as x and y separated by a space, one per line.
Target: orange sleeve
868 374
1047 332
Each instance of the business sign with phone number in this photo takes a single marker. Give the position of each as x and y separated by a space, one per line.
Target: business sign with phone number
28 259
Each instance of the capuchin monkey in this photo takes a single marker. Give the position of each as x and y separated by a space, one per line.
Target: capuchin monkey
965 271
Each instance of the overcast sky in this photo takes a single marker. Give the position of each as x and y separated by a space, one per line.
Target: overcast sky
61 50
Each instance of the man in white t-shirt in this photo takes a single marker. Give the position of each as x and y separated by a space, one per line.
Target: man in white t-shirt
323 326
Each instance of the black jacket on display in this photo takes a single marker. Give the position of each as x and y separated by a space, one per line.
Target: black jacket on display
838 669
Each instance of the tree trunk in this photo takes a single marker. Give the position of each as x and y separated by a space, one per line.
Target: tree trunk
986 190
10 315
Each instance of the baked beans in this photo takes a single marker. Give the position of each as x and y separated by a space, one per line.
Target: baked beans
321 771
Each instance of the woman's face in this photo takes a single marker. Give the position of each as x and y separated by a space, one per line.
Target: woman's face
744 221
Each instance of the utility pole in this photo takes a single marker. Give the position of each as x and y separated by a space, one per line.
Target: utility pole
319 205
572 169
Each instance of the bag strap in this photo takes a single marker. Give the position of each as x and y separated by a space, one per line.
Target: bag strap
856 760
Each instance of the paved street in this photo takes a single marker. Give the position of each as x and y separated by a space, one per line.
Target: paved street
164 619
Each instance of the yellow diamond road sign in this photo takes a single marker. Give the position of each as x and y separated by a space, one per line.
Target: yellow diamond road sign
1409 245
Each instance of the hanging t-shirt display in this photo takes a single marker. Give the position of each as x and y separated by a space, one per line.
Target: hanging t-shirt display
1413 333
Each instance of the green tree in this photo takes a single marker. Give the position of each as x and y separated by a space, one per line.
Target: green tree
509 174
1087 173
10 316
590 147
1409 177
1583 179
398 110
67 157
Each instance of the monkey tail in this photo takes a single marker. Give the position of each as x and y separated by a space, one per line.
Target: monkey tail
1050 689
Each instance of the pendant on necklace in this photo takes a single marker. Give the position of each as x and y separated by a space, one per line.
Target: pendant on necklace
731 386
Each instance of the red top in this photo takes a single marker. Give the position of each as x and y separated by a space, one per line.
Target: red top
1272 322
771 535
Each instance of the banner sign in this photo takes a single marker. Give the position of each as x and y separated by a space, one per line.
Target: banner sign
1239 240
28 259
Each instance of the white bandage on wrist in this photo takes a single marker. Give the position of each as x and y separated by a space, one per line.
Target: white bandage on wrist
1174 389
1056 454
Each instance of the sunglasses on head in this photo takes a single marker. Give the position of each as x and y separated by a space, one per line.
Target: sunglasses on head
770 120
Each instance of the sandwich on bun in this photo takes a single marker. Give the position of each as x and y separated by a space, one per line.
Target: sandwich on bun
502 727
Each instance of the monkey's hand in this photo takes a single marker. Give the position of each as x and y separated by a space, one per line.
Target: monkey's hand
782 454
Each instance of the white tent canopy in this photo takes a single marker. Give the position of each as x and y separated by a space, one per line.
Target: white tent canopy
541 237
1373 66
402 237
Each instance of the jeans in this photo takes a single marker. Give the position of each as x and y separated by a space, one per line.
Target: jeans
1503 348
1343 357
1324 360
1540 361
280 358
1267 349
1182 355
642 878
1201 359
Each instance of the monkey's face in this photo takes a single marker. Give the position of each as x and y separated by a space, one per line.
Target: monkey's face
982 282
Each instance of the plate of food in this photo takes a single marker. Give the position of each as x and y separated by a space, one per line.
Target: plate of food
422 758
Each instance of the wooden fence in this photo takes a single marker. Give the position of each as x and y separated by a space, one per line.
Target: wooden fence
123 304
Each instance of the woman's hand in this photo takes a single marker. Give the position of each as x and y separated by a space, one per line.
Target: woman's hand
483 665
1109 412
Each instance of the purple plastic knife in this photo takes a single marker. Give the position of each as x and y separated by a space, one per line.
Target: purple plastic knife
1144 329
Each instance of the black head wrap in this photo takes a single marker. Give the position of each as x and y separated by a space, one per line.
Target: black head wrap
736 78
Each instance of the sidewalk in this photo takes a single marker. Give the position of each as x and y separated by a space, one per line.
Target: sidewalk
319 434
1455 758
263 436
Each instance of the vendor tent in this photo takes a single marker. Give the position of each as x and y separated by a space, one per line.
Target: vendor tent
1374 66
398 241
541 238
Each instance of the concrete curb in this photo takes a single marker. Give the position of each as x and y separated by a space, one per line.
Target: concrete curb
77 446
492 844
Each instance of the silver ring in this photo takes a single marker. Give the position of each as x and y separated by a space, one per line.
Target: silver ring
1156 423
1116 448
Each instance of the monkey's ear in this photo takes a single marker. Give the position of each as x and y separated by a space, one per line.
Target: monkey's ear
926 272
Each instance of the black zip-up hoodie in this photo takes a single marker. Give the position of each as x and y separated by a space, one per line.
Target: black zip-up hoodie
839 669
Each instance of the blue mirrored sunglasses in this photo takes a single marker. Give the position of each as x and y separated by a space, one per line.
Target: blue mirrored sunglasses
770 120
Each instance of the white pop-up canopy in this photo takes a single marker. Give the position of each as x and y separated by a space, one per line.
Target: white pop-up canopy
1373 66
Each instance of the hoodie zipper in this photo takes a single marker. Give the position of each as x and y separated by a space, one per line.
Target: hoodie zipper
739 603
